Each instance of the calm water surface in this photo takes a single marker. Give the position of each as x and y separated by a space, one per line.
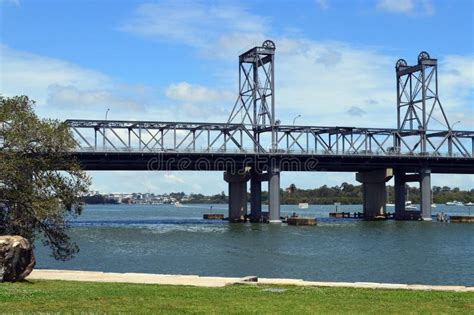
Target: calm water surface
170 240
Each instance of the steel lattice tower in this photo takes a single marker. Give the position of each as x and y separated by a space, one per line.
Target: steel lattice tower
417 99
255 105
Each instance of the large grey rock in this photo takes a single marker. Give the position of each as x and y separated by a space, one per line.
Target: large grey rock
16 258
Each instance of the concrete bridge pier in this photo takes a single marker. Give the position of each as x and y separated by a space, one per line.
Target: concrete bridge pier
274 195
255 197
374 191
237 195
425 191
400 199
424 178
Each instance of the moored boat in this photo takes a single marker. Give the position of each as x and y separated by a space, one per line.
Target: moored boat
454 203
303 205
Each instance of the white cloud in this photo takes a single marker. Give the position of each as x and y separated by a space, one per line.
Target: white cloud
174 179
158 182
198 182
456 89
322 80
399 6
409 7
194 24
356 111
83 99
33 75
13 2
193 93
230 45
319 80
322 4
209 113
456 78
65 90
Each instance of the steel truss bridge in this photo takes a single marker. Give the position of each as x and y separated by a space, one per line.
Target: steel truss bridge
252 145
252 130
125 142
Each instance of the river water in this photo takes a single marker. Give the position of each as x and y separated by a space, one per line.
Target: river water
168 240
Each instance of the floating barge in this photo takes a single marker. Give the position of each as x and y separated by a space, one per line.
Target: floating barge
300 221
461 218
406 216
342 215
213 216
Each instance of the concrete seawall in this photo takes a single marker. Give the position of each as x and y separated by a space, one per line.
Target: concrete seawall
193 280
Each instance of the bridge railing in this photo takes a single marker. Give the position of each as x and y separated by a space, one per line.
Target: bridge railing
143 136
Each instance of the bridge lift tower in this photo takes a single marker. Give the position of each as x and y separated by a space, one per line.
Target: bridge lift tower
255 109
255 105
418 111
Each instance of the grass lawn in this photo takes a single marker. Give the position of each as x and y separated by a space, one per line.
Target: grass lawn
68 296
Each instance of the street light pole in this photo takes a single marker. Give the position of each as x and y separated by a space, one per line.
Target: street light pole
450 137
294 119
103 130
457 122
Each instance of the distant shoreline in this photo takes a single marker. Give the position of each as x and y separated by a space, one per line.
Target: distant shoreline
345 194
224 203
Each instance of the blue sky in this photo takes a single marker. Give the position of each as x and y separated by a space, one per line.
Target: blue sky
177 60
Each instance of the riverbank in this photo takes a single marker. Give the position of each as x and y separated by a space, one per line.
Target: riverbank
49 296
199 281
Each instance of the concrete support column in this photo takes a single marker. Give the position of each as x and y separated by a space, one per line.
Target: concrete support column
425 191
237 195
374 191
274 196
399 193
255 197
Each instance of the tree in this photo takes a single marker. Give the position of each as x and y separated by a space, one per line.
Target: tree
346 187
291 189
41 186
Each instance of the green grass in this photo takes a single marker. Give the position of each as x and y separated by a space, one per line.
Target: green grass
69 297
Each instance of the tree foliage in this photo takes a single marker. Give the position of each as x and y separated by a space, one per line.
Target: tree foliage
200 198
40 184
352 194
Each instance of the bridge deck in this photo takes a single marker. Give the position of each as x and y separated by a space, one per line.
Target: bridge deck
186 161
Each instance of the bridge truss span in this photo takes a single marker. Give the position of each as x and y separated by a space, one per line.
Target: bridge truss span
152 136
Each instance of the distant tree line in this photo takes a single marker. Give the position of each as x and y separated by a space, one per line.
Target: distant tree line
445 194
345 194
98 199
200 198
352 194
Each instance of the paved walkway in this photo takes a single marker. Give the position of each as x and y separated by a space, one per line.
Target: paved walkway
192 280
